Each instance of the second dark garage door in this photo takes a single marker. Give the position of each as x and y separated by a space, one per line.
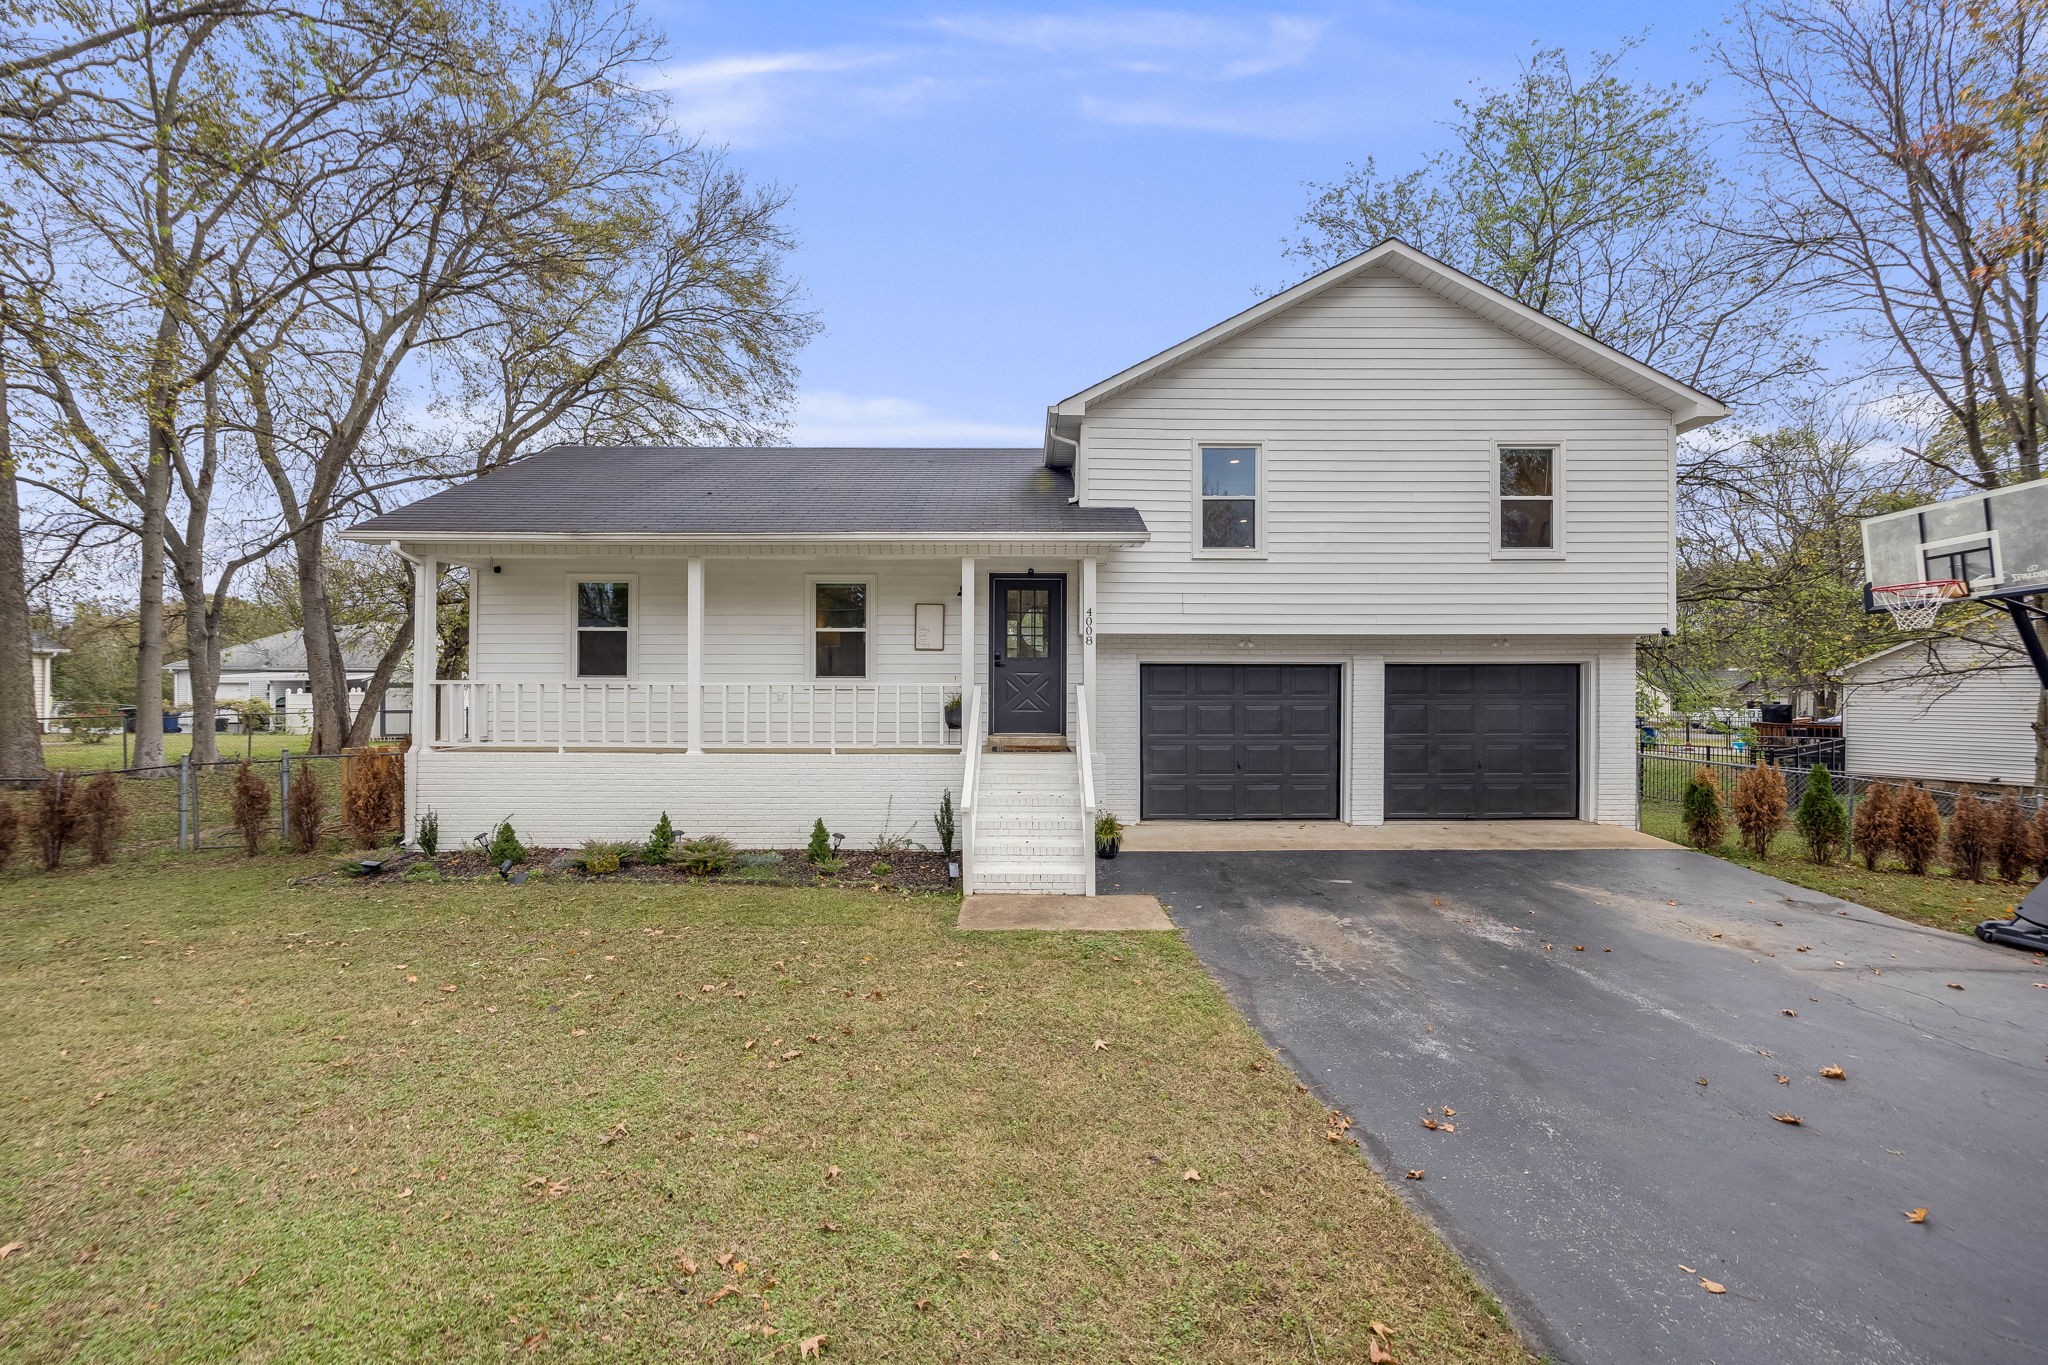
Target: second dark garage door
1482 741
1239 741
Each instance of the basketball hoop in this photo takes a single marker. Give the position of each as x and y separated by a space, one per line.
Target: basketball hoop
1914 606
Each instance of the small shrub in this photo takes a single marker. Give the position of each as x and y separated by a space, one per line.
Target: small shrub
707 855
428 836
600 857
661 842
819 849
1108 829
756 872
505 846
55 818
423 872
251 802
768 859
1759 807
1916 830
10 831
93 724
2012 838
1704 825
943 824
1822 821
829 867
102 815
880 869
307 809
1876 824
1970 837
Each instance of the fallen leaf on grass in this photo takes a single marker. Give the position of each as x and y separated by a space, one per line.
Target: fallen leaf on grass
791 1055
618 1130
1916 1215
1834 1073
1101 1046
829 1226
1376 1353
10 1249
535 1341
448 990
810 1347
687 1266
1792 1119
1191 1175
724 1292
1712 1287
1413 1175
831 1174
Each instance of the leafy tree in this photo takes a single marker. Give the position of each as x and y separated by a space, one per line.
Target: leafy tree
1595 200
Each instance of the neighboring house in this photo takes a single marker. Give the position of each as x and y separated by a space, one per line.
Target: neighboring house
273 670
1377 548
42 653
1950 711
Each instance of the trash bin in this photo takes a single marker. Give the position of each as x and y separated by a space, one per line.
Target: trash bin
171 724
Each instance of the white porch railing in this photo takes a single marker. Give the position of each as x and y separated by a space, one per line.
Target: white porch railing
1084 744
656 715
970 778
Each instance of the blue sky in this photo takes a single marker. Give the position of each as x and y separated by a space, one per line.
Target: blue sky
1000 205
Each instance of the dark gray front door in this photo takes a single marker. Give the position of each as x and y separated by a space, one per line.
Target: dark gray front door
1239 741
1027 661
1482 741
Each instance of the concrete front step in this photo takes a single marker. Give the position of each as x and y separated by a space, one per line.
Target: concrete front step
1074 884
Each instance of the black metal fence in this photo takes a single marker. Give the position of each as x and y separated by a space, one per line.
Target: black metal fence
189 807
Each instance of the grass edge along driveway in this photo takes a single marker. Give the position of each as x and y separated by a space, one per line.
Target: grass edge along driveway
572 1120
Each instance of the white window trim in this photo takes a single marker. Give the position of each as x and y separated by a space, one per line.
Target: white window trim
1262 525
634 606
811 626
1559 521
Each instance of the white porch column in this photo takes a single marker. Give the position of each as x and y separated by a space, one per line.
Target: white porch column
1088 634
695 609
426 698
967 622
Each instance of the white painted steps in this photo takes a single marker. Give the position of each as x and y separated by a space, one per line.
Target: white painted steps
1030 832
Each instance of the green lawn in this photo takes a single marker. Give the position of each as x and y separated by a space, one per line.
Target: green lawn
62 751
1939 900
467 1121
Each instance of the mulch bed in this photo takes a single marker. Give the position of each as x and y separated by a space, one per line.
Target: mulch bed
912 871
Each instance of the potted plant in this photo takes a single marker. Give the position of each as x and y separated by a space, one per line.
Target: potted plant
1109 835
952 710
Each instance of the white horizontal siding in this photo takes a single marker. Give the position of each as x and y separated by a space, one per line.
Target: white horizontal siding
1378 404
1607 749
558 800
1974 725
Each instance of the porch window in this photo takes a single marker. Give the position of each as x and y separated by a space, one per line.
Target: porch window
602 629
839 627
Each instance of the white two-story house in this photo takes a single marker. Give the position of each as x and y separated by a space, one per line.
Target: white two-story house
1378 548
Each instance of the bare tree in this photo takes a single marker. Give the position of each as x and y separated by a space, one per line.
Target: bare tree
1902 149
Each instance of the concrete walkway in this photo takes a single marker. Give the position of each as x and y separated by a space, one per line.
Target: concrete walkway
1096 913
1287 836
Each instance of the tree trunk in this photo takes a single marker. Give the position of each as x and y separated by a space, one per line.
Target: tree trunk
149 648
21 741
380 683
202 650
326 674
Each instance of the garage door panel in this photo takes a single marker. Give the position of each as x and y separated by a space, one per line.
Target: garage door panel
1240 741
1482 741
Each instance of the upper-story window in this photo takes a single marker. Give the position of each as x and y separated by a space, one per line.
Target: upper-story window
603 629
839 627
1528 498
1229 498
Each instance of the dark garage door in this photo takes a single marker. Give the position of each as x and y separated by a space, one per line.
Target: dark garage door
1482 741
1239 741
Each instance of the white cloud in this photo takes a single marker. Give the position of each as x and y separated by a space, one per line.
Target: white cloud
827 417
749 99
1152 42
1276 121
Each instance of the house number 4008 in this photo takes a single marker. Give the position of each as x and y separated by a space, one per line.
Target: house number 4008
1088 626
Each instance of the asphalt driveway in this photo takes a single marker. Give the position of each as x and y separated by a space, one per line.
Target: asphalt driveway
1567 1006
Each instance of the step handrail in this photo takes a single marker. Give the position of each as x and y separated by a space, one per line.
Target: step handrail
970 747
1083 746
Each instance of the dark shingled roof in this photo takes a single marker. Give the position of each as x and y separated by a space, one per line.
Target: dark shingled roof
765 490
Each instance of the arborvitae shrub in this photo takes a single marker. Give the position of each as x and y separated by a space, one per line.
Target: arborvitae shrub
2012 843
1822 821
1970 837
307 809
1916 830
55 818
1704 825
1759 807
661 842
820 848
372 794
251 807
429 836
102 814
1876 823
505 845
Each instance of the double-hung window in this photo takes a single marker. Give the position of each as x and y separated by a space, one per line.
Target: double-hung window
839 627
1228 501
1529 520
603 629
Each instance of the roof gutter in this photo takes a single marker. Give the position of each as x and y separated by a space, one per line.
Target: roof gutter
1112 538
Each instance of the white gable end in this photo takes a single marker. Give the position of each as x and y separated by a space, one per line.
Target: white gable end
1378 406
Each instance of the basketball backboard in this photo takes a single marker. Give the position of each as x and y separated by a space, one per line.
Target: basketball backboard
1996 541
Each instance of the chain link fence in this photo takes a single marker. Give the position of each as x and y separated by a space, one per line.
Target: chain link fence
189 807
